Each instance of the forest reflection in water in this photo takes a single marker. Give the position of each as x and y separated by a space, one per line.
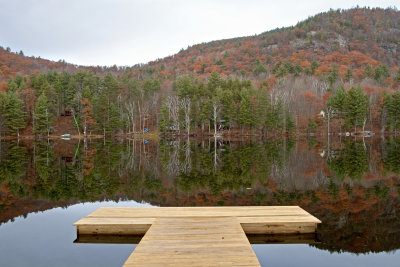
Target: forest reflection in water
353 186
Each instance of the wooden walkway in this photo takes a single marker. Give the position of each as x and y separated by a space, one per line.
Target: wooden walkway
196 236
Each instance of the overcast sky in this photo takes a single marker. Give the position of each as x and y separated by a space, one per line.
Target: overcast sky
126 32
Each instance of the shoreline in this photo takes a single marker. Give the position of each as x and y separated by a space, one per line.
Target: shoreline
157 136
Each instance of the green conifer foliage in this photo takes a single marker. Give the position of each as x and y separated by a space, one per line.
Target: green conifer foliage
43 118
15 115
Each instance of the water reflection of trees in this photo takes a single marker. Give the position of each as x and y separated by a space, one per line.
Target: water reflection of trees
13 166
229 167
351 161
354 189
391 157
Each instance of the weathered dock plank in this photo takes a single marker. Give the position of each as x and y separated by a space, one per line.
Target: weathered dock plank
195 241
158 212
254 220
196 236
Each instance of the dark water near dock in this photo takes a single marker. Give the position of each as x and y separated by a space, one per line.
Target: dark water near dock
352 186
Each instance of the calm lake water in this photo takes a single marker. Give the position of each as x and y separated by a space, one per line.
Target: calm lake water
352 185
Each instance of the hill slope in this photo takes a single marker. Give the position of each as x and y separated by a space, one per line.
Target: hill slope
284 76
348 38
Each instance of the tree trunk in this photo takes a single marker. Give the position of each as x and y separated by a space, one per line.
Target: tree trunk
329 128
215 153
77 126
47 123
140 117
33 122
363 128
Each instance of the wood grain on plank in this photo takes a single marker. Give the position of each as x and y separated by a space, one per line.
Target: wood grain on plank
218 241
195 236
158 212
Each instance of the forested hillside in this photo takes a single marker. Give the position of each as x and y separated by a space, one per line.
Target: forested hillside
335 71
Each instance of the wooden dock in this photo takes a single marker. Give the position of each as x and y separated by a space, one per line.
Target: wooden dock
196 236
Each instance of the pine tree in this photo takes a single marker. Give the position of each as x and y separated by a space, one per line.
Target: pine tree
397 78
348 75
333 75
114 122
335 104
228 106
277 115
259 68
381 73
297 70
214 82
205 112
15 115
356 107
290 124
3 108
101 112
368 73
43 118
111 86
245 114
12 86
393 107
261 108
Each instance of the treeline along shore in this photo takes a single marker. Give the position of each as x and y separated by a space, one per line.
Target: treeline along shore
83 104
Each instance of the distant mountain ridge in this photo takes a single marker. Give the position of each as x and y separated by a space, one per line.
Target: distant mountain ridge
348 38
351 38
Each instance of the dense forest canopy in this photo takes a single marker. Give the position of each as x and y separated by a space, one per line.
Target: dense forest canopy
337 70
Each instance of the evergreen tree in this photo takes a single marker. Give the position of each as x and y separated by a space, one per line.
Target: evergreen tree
245 114
397 78
356 107
12 86
368 73
111 86
101 112
381 73
314 66
205 112
228 106
393 107
43 117
335 105
333 75
214 82
290 124
259 68
348 75
15 115
297 70
278 120
151 86
185 87
114 122
3 114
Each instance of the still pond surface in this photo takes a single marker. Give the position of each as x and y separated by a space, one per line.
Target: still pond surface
352 185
